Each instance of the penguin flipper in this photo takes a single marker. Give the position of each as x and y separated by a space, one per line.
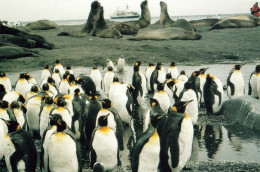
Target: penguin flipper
14 159
93 155
174 145
129 102
249 85
119 130
11 114
232 87
219 94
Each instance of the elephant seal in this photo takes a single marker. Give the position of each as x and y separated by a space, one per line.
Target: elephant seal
145 18
93 12
204 22
241 21
22 42
9 51
40 41
101 29
169 33
125 29
184 24
42 25
165 20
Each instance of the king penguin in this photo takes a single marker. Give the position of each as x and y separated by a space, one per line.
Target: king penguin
194 79
183 76
58 66
102 150
252 85
63 150
64 85
22 85
176 137
192 108
173 70
114 121
56 77
114 88
87 84
120 64
5 82
69 70
235 82
13 96
148 73
34 90
158 76
162 97
19 111
2 91
5 111
108 79
213 94
45 72
202 77
96 76
46 108
145 156
20 151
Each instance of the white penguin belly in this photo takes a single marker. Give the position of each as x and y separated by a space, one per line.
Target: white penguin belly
149 156
163 100
22 87
4 114
56 78
44 118
120 105
174 72
148 74
32 114
202 83
45 74
95 75
64 87
3 132
11 96
19 116
64 114
192 108
6 83
253 83
62 154
106 151
239 85
108 80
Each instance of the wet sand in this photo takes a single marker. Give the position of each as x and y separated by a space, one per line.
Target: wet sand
217 46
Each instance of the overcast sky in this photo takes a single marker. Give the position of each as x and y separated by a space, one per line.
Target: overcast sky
30 10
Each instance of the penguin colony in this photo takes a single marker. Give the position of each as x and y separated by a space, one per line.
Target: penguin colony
65 110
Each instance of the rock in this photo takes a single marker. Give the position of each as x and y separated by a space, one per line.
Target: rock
244 110
42 25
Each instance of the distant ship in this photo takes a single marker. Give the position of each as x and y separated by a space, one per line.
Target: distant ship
124 14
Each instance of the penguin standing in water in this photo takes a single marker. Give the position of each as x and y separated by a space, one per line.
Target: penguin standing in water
213 94
5 82
139 83
56 77
22 85
183 76
110 64
19 111
162 97
90 116
45 72
145 157
120 64
194 79
173 70
20 151
192 108
158 76
63 150
96 76
114 121
45 114
252 85
235 82
78 104
108 79
176 137
59 66
103 150
202 79
148 73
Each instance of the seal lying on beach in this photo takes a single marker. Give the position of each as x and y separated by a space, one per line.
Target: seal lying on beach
9 51
42 25
40 41
204 22
169 33
124 28
93 12
241 21
22 42
101 29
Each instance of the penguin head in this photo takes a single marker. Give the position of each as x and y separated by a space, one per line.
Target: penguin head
138 63
203 70
46 66
61 125
65 76
78 80
209 78
57 71
160 86
158 66
115 79
4 104
98 167
68 68
22 75
2 88
2 74
257 69
27 76
188 85
12 125
155 119
151 64
57 61
14 105
106 103
54 118
21 98
153 102
92 96
180 106
94 67
183 72
168 76
196 73
48 100
77 91
45 87
173 64
50 80
61 102
102 120
238 66
71 79
35 89
110 68
130 88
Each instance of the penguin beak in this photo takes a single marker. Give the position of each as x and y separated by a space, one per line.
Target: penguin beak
205 69
187 103
106 116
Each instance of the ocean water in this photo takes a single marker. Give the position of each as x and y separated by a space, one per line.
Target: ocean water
154 19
